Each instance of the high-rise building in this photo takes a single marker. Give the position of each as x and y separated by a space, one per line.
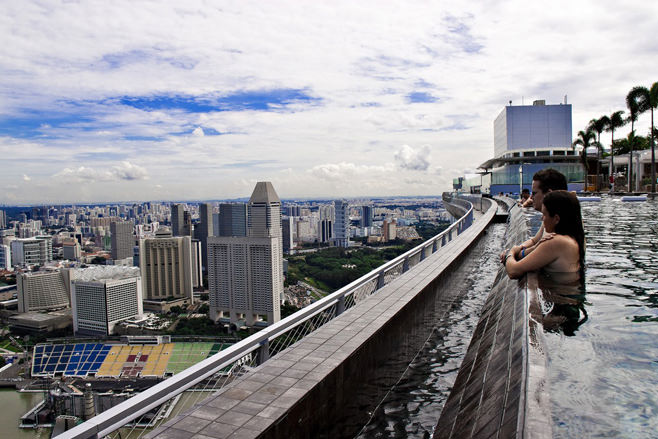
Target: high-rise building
5 257
205 230
166 267
42 290
245 274
177 219
341 226
122 239
389 230
3 219
233 219
32 251
197 273
287 228
188 227
325 230
527 139
366 216
103 296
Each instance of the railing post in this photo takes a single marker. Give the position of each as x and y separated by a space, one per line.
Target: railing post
443 240
434 246
405 265
340 306
380 280
264 351
422 254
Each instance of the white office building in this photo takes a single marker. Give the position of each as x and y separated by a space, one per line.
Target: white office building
5 257
103 296
32 251
42 290
245 274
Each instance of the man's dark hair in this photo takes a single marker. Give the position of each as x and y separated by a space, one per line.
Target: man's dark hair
525 190
550 180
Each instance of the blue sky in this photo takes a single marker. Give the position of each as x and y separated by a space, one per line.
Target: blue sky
145 101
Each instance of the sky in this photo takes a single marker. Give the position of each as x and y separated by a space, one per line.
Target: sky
199 100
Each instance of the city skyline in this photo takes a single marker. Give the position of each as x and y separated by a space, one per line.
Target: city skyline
199 102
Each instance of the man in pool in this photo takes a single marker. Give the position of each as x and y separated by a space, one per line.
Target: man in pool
543 182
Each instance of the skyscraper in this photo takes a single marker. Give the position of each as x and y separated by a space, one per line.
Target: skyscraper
32 251
205 230
245 274
366 216
166 266
42 290
341 226
5 257
122 239
287 227
102 296
3 219
177 219
232 219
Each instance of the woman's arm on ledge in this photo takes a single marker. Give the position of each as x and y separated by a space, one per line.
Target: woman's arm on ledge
541 256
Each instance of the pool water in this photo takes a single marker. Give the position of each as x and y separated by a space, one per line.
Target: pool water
604 376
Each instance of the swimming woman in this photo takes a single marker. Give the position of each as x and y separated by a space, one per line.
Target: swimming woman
562 249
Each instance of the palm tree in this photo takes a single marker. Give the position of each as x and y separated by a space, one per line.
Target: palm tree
636 103
616 120
648 100
598 125
585 138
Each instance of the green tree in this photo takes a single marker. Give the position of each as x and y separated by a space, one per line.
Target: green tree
616 120
630 142
598 125
585 138
637 103
647 99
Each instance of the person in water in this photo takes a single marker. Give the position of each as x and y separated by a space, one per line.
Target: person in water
543 182
525 200
562 247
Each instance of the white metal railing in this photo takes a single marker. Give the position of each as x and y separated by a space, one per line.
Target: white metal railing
216 371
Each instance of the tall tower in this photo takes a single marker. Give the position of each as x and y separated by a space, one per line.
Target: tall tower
205 230
245 274
177 219
341 225
366 216
122 239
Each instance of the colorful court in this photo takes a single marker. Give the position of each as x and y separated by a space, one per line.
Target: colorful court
114 360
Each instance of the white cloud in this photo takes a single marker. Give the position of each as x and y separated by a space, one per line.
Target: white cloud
348 171
26 178
129 171
471 56
413 159
121 171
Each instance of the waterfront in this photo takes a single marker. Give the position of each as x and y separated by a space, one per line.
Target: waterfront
13 405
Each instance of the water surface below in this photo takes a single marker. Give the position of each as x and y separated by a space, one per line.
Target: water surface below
412 408
604 378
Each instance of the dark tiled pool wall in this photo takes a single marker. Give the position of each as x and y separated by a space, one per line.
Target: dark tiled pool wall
488 398
350 393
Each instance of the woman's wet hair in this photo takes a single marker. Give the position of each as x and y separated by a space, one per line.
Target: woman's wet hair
566 205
